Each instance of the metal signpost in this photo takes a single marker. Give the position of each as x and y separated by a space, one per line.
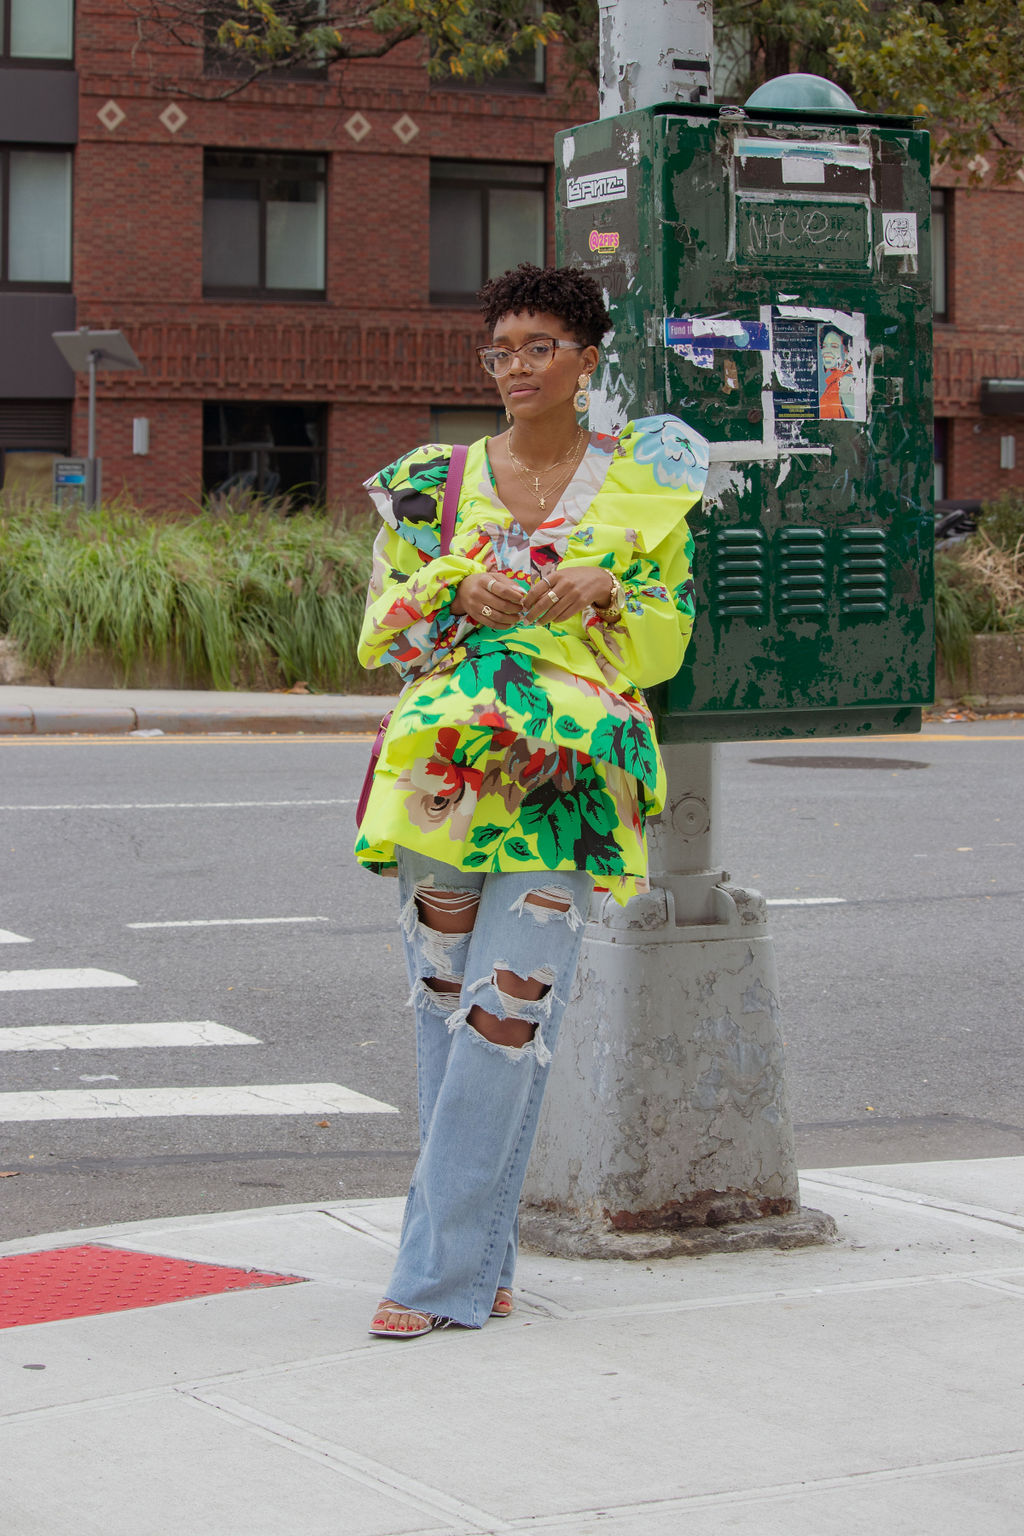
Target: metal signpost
70 482
86 351
767 271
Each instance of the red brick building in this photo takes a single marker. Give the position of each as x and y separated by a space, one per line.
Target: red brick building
978 237
295 265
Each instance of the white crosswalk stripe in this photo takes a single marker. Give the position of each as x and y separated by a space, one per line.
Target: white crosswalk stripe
30 1106
47 980
119 1037
139 1103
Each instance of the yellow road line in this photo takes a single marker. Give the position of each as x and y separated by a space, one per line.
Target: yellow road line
197 738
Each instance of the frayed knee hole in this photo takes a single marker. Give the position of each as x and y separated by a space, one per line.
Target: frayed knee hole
553 897
526 988
447 911
439 984
519 1032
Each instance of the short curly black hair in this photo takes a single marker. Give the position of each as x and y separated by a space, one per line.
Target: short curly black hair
568 292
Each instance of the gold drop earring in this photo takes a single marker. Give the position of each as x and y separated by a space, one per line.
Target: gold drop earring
581 399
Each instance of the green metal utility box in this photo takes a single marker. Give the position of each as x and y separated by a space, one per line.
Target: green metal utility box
768 274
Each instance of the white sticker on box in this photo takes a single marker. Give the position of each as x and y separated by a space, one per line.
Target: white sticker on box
899 234
802 168
600 187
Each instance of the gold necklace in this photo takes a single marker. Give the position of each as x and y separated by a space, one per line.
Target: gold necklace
561 481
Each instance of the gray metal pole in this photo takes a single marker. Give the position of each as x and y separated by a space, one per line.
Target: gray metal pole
666 1128
90 484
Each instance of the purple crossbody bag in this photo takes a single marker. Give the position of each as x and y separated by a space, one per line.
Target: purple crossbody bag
449 510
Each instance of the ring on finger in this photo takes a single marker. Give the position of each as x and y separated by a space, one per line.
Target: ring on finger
487 611
552 596
490 585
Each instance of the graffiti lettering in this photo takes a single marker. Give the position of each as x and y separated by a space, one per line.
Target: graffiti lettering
600 187
776 230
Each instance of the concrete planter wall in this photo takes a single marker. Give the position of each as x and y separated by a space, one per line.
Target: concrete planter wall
996 674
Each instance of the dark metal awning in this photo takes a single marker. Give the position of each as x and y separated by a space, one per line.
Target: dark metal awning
1002 397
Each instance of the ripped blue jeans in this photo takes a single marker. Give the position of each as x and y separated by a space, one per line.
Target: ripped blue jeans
479 1101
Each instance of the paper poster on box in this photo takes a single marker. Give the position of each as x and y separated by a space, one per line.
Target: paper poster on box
818 365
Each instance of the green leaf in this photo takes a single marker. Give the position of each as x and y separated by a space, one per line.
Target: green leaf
484 836
568 726
477 673
518 848
554 819
629 745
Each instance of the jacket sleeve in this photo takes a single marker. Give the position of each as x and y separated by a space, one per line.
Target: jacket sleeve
647 643
409 620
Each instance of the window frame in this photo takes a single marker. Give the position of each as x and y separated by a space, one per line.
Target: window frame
485 184
262 175
20 61
261 447
941 438
943 316
20 285
501 83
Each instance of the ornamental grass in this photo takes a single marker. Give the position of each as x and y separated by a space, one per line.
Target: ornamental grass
979 584
225 597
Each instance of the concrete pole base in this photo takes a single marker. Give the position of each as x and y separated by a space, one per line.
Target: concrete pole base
667 1128
569 1238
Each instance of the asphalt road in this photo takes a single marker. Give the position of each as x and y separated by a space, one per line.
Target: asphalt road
901 999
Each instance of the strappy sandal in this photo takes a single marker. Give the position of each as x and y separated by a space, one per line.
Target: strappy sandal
426 1321
503 1303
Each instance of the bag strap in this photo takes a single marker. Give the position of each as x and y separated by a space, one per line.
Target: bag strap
452 487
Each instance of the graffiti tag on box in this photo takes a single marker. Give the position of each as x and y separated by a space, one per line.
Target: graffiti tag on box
603 240
798 233
600 187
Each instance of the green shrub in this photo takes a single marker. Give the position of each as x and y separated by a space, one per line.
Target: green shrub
228 598
1002 521
954 612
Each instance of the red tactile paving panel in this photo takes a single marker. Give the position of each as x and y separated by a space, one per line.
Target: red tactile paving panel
89 1280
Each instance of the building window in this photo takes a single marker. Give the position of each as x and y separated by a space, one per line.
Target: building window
524 73
451 425
263 225
941 211
260 449
35 218
32 434
941 456
483 219
33 30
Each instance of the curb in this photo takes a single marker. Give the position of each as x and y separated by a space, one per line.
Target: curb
68 720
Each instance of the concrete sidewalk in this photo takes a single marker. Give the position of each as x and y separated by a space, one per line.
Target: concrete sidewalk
872 1385
26 711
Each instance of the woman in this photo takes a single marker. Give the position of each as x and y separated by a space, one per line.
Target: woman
520 763
837 400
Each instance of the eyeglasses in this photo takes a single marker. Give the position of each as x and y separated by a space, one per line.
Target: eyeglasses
536 355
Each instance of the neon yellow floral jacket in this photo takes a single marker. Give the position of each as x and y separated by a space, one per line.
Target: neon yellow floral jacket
531 747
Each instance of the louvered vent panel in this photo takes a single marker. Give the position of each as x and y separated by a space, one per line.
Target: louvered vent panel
38 424
740 580
802 573
864 575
